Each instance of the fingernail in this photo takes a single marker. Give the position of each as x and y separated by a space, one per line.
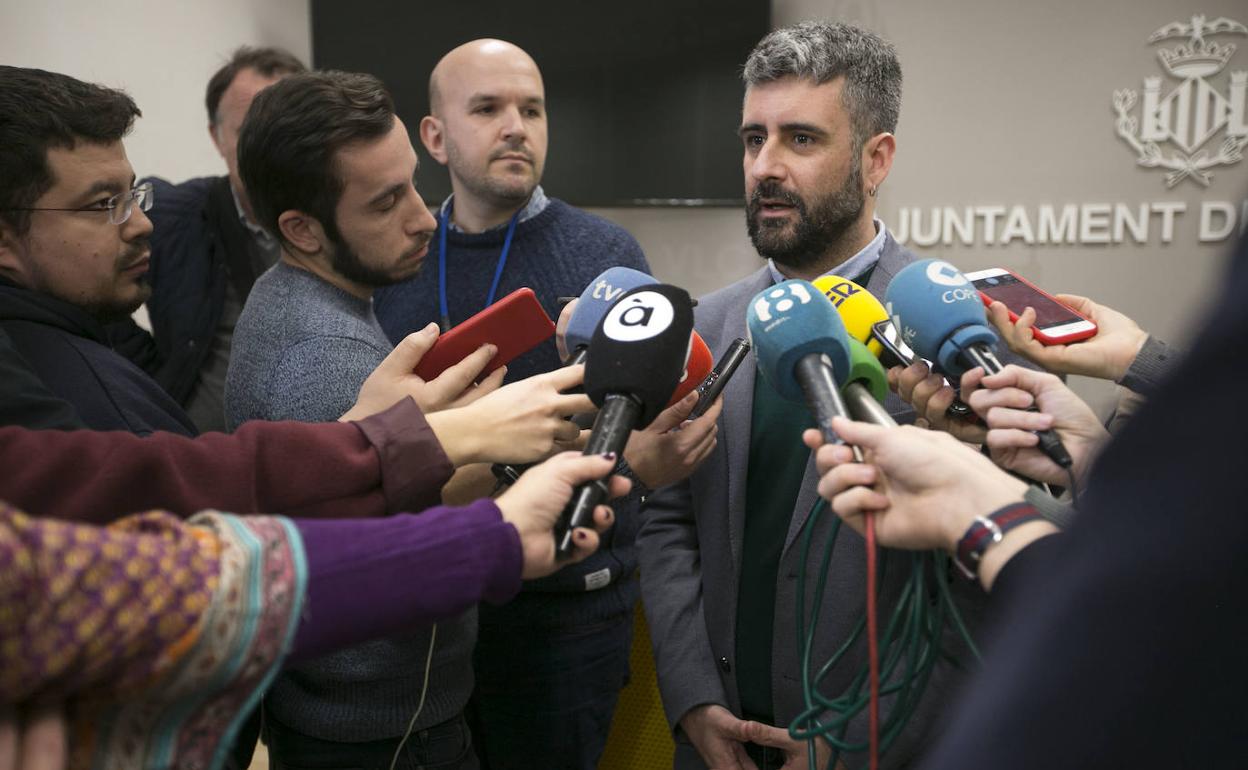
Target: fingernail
580 535
609 455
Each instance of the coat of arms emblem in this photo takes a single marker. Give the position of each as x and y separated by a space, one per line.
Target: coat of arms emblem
1194 112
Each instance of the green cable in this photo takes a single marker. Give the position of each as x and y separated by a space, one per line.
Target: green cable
911 643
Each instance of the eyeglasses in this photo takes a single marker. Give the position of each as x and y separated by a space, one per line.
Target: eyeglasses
118 207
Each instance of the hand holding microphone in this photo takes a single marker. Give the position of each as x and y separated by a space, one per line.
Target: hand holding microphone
940 315
533 504
635 360
925 487
1003 402
868 322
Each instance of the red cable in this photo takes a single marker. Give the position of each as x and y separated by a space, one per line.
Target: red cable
873 648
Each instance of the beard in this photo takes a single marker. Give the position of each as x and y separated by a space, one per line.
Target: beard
507 191
819 227
347 263
112 309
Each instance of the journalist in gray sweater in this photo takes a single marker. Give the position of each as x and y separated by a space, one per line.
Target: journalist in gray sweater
301 350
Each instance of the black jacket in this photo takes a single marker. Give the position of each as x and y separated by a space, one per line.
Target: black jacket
67 349
198 244
25 400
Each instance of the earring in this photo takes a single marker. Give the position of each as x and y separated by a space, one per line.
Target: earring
871 192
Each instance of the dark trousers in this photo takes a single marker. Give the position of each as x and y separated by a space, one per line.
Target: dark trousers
444 746
544 697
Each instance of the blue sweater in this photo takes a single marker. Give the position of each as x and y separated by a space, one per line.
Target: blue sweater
556 253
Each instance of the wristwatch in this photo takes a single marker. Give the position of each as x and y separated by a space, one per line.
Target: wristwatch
987 531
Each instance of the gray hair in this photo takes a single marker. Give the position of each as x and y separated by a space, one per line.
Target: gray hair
822 51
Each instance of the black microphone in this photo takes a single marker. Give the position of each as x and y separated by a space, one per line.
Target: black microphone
635 361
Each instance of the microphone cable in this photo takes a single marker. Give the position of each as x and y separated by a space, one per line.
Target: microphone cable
909 645
873 649
424 690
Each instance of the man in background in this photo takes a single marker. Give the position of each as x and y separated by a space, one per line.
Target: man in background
74 247
207 251
550 664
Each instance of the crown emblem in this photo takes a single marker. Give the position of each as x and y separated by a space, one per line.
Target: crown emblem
1195 111
1200 57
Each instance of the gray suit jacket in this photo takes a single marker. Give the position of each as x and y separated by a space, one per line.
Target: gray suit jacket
690 549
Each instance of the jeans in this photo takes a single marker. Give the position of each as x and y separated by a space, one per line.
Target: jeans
444 746
545 697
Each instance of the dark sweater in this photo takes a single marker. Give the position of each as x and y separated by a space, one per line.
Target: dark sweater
556 253
67 349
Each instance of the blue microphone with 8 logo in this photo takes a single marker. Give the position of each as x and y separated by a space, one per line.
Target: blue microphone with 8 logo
802 348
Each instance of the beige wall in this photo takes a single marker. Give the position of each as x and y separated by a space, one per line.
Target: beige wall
160 51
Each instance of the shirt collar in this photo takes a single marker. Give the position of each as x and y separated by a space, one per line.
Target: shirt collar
853 267
261 235
536 205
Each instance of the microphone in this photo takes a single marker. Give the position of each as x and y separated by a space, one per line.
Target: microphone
593 304
801 347
858 308
867 386
941 316
636 358
599 297
866 320
696 370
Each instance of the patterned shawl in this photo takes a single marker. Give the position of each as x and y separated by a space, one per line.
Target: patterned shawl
158 634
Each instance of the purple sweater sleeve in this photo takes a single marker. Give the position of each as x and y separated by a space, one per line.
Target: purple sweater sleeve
370 578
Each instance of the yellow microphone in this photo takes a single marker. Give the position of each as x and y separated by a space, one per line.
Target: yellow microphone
857 307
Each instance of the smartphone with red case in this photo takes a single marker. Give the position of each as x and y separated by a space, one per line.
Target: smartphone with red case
515 324
1056 323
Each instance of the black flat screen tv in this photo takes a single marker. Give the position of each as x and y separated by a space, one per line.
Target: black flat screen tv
643 96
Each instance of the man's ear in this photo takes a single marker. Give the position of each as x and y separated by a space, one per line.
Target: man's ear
877 159
302 231
12 248
216 142
433 137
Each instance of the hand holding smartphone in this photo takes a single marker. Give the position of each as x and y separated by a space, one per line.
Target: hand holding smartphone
898 353
1056 323
515 324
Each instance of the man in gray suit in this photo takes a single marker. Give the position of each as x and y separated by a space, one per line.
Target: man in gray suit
720 552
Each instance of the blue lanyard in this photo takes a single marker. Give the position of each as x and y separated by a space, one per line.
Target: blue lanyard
444 218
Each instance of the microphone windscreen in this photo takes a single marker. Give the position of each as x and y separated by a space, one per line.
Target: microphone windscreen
858 307
640 348
597 299
938 313
865 368
696 368
788 321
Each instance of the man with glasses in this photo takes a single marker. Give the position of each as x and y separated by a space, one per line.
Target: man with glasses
74 251
207 251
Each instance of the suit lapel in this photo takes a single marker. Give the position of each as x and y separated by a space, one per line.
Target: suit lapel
738 413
